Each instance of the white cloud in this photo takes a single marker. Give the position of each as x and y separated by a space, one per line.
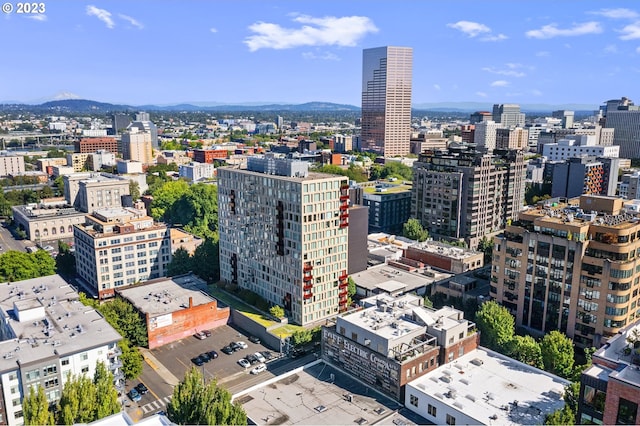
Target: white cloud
472 29
101 14
552 30
500 83
543 54
325 31
38 17
213 30
611 48
436 86
326 56
132 21
620 13
481 94
511 71
631 32
498 37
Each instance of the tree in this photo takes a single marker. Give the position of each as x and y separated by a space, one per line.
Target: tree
134 190
77 401
427 302
486 246
572 395
166 196
106 394
302 337
17 265
557 353
195 403
496 325
131 360
277 311
126 320
562 416
65 260
525 349
351 289
35 407
181 263
413 230
206 260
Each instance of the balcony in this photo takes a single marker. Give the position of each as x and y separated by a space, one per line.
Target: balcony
307 267
343 275
308 295
343 293
115 365
307 277
307 286
344 197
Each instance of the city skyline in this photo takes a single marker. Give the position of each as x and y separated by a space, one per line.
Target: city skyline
243 52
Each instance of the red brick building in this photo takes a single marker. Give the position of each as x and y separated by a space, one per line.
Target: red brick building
175 308
610 388
209 155
89 145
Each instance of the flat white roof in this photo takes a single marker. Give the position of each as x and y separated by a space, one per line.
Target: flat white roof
493 389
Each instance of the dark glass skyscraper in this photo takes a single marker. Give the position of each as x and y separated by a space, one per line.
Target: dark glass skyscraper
386 100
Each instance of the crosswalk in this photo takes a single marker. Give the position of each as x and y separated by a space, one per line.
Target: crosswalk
157 405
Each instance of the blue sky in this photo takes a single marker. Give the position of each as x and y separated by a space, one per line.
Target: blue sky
172 51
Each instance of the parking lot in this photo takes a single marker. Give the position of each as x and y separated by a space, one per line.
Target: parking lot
168 364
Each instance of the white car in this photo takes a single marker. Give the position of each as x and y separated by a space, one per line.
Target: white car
244 363
259 369
259 357
242 345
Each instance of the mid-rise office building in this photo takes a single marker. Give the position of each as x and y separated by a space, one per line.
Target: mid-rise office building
512 138
89 145
47 335
119 123
394 340
91 191
624 117
577 146
144 125
485 134
572 266
463 194
120 247
389 207
610 387
11 165
583 175
209 155
480 116
566 117
342 143
508 115
195 172
284 235
386 100
137 146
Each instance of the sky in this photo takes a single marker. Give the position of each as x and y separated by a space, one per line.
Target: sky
261 51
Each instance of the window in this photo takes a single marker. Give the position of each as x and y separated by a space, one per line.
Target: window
451 420
413 400
84 356
626 412
49 370
431 410
32 375
18 414
16 402
65 361
594 398
84 369
51 383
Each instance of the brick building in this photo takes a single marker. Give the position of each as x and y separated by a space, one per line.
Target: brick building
89 145
175 308
209 155
444 256
394 340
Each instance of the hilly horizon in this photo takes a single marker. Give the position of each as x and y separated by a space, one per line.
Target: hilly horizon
90 106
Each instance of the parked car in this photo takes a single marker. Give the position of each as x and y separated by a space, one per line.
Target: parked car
254 339
268 355
212 354
259 357
134 395
259 369
252 359
244 363
227 350
234 346
197 361
242 345
207 333
200 335
141 388
205 357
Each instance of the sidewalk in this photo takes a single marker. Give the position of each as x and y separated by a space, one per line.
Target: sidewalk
158 367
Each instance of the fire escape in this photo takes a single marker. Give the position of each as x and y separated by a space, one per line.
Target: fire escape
344 206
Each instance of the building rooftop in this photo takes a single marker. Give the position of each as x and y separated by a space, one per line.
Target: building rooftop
44 319
383 276
445 250
623 349
166 295
494 389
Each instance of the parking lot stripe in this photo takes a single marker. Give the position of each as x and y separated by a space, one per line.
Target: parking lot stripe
146 409
161 402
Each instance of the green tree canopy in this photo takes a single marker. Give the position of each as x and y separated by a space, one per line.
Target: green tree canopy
496 325
206 260
165 197
277 311
77 402
557 353
65 260
525 349
181 263
302 337
134 190
486 246
353 172
391 169
126 320
131 360
196 403
35 407
563 416
413 229
106 393
18 266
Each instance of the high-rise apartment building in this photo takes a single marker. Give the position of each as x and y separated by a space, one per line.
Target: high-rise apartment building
120 247
570 265
485 134
283 235
137 146
463 194
584 175
512 138
566 117
386 100
508 115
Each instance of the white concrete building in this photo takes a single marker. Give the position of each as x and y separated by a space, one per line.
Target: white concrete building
45 335
577 146
120 247
11 165
195 171
485 388
90 191
283 235
485 134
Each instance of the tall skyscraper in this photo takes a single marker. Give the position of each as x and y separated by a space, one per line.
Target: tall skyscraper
624 117
508 115
386 100
284 235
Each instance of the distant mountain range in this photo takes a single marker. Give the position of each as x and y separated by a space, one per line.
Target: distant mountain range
88 106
